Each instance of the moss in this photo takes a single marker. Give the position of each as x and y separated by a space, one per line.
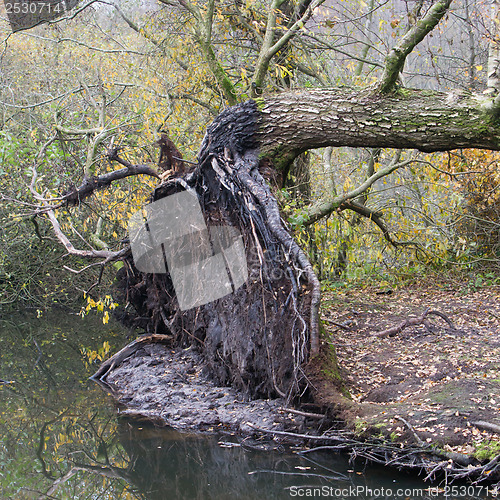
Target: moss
330 367
345 392
378 430
487 450
403 92
329 364
360 426
409 92
260 102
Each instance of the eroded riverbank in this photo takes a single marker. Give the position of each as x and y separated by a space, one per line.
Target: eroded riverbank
426 398
61 438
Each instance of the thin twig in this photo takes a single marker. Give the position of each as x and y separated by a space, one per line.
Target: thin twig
411 429
298 436
317 416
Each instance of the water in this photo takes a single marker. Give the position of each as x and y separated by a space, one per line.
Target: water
60 437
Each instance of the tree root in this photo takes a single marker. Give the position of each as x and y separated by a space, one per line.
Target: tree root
420 320
259 337
487 426
315 416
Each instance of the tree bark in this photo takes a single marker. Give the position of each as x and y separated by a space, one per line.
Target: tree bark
494 50
291 123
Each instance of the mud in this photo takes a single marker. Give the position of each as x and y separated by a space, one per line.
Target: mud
168 386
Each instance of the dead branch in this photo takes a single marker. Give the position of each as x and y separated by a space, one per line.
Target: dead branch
412 430
322 209
128 351
317 416
420 320
107 255
299 436
76 195
335 323
409 457
376 218
49 210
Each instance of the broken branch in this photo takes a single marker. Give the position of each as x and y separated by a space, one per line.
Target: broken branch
420 320
89 185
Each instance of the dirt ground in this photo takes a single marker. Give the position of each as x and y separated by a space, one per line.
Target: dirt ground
432 385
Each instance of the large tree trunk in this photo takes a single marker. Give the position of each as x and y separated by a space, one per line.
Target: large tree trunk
411 119
260 337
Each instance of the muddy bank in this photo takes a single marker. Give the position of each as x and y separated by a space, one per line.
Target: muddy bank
427 398
168 385
429 386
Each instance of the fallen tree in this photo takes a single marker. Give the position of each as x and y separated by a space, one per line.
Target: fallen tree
260 337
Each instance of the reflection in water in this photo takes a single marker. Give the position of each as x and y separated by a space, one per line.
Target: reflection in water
169 465
60 437
55 425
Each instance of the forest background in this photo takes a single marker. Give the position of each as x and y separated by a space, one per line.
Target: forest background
118 74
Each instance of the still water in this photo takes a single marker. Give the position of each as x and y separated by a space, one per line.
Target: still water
60 437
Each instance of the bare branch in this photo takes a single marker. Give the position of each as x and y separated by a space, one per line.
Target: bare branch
77 131
107 255
420 320
318 38
213 111
299 24
322 209
91 184
73 14
396 58
192 9
87 46
131 24
376 218
366 46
